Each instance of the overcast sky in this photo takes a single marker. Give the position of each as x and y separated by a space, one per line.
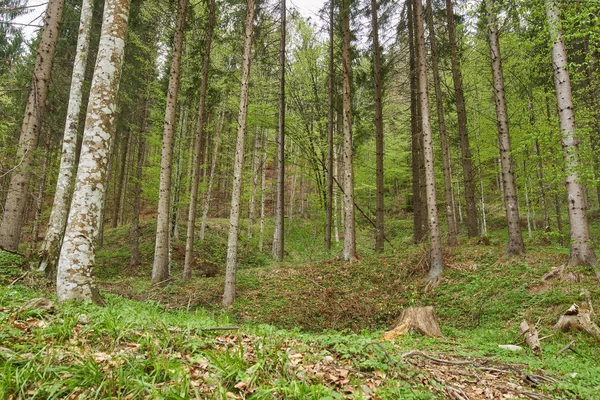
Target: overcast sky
33 20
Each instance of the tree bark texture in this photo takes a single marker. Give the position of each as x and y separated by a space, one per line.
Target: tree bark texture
161 267
75 279
511 202
582 253
349 249
236 192
446 159
278 234
255 170
467 163
191 221
48 254
16 198
330 122
263 187
435 262
378 83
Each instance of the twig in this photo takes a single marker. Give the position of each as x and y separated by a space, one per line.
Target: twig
546 337
222 328
413 353
489 369
19 278
382 349
567 347
457 394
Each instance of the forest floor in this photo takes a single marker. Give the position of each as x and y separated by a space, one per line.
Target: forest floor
307 328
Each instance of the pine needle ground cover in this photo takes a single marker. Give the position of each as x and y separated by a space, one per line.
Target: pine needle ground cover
299 330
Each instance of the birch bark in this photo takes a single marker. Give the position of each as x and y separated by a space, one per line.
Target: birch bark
75 279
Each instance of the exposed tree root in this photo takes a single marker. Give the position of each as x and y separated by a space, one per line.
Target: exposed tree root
420 319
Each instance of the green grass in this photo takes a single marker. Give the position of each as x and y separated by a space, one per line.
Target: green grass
309 327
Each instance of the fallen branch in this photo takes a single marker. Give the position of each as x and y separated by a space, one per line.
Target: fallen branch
222 328
530 335
18 278
414 353
567 347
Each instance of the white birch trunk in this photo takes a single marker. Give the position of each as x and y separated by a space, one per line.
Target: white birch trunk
236 192
64 183
75 279
582 251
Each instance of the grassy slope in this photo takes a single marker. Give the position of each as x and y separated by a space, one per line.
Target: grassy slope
324 320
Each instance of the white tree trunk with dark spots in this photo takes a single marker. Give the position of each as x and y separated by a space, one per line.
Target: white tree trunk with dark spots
16 199
64 183
582 252
436 264
511 203
236 192
75 279
160 268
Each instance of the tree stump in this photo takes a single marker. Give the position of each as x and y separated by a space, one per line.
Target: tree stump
576 319
531 337
423 320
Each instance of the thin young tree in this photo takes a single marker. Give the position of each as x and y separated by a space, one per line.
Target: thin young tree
349 249
463 132
582 252
278 234
191 221
236 192
446 157
511 203
378 88
16 198
75 275
48 254
330 122
436 263
161 265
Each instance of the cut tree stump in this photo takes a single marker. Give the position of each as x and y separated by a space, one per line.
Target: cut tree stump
531 337
423 320
576 319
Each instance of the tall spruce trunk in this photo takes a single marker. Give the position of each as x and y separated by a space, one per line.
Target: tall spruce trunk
278 234
582 252
436 264
461 111
263 187
75 276
511 202
378 83
134 232
255 170
191 221
330 104
161 267
16 198
120 181
446 159
236 192
349 249
48 254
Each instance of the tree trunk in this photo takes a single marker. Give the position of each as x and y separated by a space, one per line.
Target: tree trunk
255 167
16 198
278 234
349 250
191 221
134 232
48 254
236 192
511 203
161 267
582 252
436 263
469 186
329 211
120 179
39 196
378 82
263 188
75 278
446 160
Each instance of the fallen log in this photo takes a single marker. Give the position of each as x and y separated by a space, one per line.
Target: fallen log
531 337
423 320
